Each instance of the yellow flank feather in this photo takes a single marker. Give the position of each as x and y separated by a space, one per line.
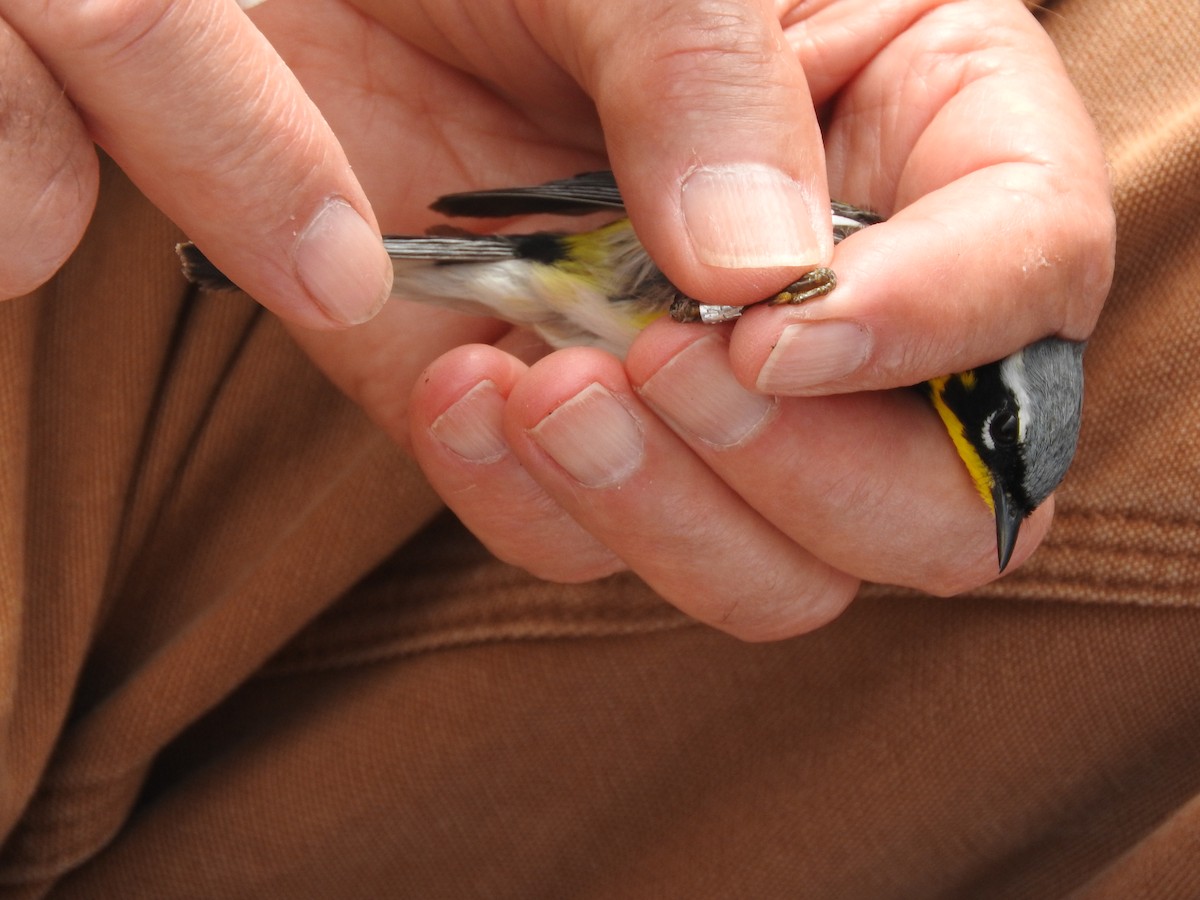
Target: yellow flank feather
642 319
969 455
590 250
601 257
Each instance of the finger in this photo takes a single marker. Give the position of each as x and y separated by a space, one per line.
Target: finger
377 363
869 483
48 167
457 433
197 108
1003 228
711 133
577 428
934 290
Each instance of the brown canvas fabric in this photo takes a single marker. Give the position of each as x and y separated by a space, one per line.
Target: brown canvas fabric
242 654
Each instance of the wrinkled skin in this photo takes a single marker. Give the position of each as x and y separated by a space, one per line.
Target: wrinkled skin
752 475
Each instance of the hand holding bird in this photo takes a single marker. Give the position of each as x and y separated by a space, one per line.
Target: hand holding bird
750 474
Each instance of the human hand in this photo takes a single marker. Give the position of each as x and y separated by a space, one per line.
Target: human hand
756 514
760 514
195 105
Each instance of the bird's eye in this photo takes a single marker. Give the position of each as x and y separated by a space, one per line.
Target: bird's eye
1003 429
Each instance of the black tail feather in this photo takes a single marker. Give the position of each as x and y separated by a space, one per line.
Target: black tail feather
198 269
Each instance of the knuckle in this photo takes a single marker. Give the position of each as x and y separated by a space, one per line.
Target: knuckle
956 574
580 570
702 54
866 493
777 604
721 44
714 27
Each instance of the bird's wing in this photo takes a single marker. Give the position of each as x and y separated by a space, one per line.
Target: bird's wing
576 196
860 215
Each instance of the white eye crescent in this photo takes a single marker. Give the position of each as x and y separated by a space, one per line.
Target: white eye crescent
1001 429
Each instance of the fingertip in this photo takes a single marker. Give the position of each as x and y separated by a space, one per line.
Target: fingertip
732 233
456 413
459 438
455 374
660 342
802 358
340 261
1033 532
713 137
557 378
334 272
751 215
820 603
574 422
978 566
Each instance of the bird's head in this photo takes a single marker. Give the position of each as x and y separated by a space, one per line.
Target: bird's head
1015 424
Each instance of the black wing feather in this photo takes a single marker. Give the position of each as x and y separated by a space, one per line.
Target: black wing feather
582 194
864 216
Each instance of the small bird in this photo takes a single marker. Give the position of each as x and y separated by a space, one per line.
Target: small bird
1014 422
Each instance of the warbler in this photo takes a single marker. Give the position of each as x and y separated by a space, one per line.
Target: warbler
1014 422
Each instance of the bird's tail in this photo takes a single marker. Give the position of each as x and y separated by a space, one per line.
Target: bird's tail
447 247
444 247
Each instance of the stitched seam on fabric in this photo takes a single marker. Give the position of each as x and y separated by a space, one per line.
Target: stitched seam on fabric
454 638
1107 584
534 620
383 625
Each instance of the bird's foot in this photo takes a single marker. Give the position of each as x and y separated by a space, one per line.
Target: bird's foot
817 283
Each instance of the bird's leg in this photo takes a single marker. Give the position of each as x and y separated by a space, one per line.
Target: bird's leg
685 309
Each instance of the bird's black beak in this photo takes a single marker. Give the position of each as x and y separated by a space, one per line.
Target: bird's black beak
1008 524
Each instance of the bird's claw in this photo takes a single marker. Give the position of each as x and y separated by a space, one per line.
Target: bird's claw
817 283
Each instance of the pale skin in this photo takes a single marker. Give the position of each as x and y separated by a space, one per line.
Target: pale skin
759 513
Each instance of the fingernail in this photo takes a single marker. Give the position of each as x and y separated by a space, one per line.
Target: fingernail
594 437
471 426
753 216
698 394
810 354
342 264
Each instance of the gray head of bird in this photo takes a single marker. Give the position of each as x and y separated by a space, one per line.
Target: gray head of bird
1015 424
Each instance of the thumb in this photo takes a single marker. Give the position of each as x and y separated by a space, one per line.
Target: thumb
713 137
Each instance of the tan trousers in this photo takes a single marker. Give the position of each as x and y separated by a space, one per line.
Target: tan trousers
242 654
